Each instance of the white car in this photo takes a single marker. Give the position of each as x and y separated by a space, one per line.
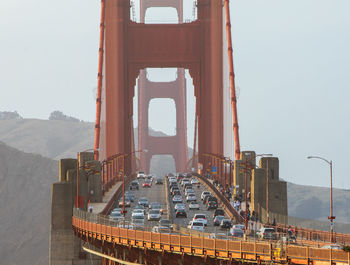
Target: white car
196 225
116 216
138 213
204 193
138 220
194 181
193 206
177 199
141 175
200 217
191 198
154 215
180 206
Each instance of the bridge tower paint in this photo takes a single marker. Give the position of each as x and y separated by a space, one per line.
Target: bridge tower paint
173 145
130 47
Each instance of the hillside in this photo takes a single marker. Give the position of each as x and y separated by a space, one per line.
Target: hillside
313 202
25 181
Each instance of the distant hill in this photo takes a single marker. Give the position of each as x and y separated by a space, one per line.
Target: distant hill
25 181
314 202
62 136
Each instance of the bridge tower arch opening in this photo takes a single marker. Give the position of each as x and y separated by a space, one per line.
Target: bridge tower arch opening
162 164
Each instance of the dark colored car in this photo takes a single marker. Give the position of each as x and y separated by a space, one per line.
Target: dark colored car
189 185
218 212
134 185
206 198
181 212
226 223
159 181
176 192
212 205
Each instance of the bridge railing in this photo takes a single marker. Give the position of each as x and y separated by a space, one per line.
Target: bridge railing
88 225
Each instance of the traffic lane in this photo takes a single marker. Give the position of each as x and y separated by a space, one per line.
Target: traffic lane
155 193
210 228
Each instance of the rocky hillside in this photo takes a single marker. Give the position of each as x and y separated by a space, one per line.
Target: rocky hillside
25 181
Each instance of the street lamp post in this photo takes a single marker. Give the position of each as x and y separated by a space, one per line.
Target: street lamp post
331 217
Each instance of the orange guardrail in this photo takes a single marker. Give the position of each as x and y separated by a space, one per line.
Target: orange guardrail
98 227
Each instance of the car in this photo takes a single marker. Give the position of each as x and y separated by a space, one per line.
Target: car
150 177
156 206
134 185
200 217
161 229
147 184
191 198
174 187
212 205
236 232
180 206
127 202
116 216
196 225
239 226
185 181
267 233
226 223
180 212
177 199
194 181
154 215
205 198
333 246
159 181
188 191
187 185
218 212
137 212
204 193
211 198
143 201
140 207
140 175
130 197
218 219
193 206
176 192
117 210
166 223
138 221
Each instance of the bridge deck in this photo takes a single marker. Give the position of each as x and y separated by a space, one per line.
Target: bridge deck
98 207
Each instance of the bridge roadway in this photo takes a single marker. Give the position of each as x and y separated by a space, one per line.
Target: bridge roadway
157 193
154 248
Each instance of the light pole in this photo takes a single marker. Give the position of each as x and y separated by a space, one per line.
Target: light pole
331 217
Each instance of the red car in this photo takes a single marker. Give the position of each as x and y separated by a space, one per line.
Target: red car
146 184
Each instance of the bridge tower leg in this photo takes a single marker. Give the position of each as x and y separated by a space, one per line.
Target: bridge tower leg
176 90
131 47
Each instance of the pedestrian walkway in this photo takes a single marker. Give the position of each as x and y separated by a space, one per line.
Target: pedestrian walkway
99 206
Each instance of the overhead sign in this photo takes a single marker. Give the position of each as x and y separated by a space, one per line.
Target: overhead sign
213 169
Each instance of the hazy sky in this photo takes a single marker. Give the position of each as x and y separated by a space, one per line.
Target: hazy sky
291 64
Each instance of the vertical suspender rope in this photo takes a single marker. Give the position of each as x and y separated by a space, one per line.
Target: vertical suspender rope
232 80
99 82
195 139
